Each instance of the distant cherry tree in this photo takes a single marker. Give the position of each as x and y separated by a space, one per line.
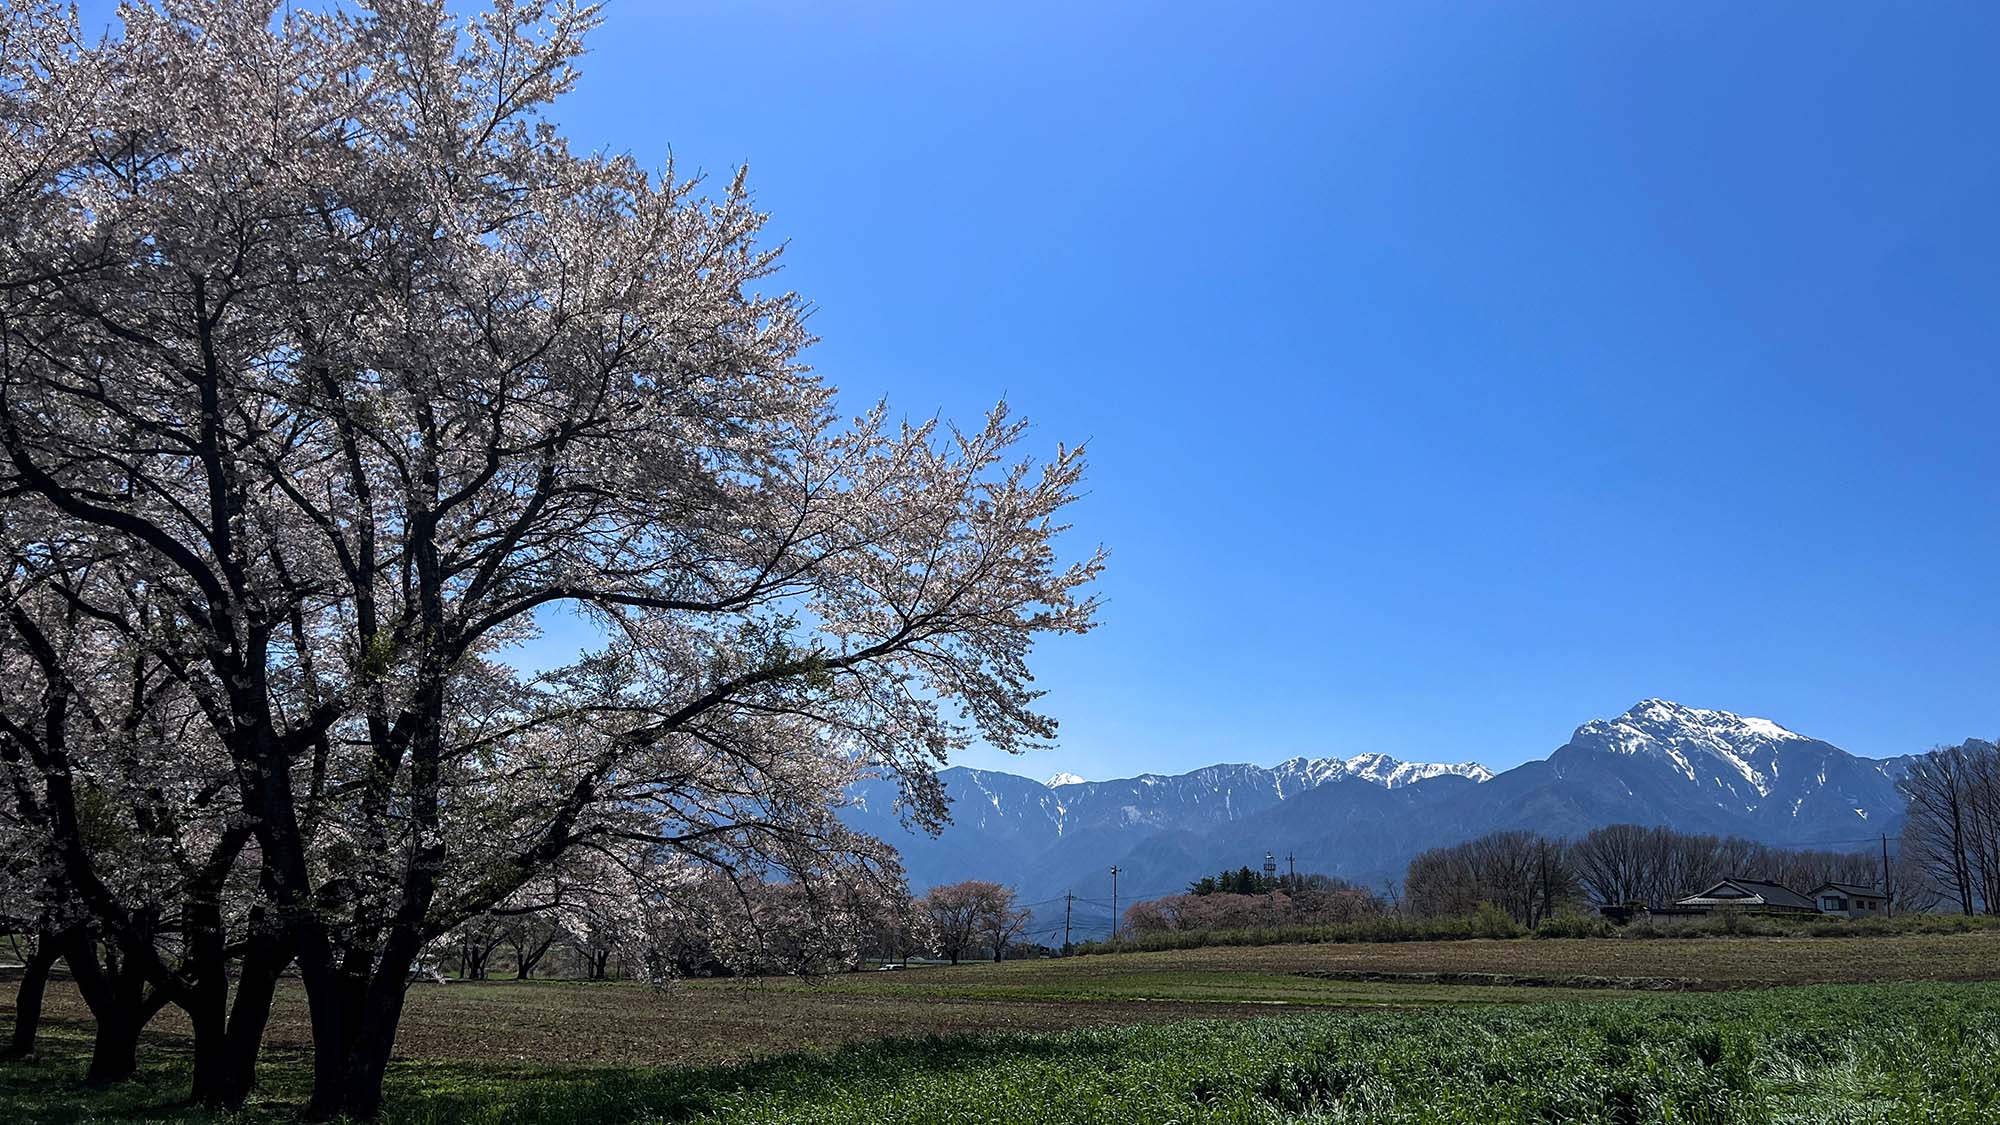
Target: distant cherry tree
966 916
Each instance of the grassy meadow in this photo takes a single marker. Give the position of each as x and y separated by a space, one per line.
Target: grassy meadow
1416 1032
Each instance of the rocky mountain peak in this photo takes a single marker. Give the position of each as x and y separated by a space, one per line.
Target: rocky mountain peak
1379 769
1696 741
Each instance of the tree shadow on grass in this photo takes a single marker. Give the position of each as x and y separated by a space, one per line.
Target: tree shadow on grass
464 1093
49 1087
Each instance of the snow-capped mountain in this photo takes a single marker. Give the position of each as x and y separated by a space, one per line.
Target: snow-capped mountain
1364 816
1295 774
1202 798
1745 775
1697 741
1391 773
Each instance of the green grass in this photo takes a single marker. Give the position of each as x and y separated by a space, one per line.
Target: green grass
1489 922
1186 986
723 1023
1839 1054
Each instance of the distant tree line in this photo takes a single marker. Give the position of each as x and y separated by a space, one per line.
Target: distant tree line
1533 877
1625 863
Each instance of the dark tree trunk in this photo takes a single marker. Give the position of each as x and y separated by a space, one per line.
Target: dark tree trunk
356 1010
333 1011
206 1001
28 1001
527 959
348 1072
115 991
225 1064
368 1058
208 1014
114 1054
351 1051
262 967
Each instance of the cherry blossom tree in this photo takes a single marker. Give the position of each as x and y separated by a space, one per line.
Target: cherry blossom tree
608 913
962 915
1002 923
315 320
125 804
898 927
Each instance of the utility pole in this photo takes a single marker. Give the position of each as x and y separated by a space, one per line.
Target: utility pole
1292 870
1888 889
1271 885
1114 902
1069 900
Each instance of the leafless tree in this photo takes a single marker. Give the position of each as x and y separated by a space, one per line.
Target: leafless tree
1982 782
1622 863
1951 829
1523 873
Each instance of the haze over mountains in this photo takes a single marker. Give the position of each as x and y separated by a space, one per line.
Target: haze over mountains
1365 816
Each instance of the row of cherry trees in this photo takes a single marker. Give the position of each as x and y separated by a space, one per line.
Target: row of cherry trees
327 372
721 924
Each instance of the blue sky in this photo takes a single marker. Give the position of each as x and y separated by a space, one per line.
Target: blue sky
1452 374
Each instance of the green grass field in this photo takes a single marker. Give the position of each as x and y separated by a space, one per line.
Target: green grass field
1223 1035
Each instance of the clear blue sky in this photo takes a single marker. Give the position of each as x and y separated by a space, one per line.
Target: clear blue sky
1452 375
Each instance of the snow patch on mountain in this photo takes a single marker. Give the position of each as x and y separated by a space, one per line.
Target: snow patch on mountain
1393 774
1297 774
1687 737
1063 779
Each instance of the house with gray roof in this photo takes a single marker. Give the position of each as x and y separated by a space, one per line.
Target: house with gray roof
1748 895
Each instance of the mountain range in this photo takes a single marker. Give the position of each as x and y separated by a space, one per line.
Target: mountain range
1364 817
